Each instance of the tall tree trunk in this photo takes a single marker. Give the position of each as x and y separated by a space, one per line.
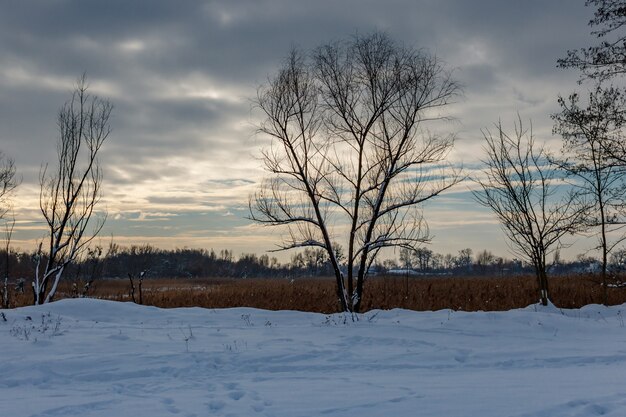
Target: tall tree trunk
605 294
542 282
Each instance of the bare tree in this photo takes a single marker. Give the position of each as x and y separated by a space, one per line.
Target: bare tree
70 193
139 267
605 117
594 149
465 259
485 259
8 182
591 141
406 258
423 258
351 160
519 187
9 225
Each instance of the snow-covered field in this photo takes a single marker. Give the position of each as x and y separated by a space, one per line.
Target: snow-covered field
97 358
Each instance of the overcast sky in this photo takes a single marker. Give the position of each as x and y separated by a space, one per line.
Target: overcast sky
181 161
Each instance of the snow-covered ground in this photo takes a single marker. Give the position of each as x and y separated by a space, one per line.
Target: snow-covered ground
98 358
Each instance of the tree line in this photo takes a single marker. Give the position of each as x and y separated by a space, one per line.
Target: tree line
149 262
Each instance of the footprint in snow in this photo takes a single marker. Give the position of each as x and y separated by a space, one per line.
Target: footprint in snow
169 405
216 405
231 385
236 395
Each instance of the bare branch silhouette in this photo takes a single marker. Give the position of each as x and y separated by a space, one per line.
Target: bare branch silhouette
70 193
350 154
519 187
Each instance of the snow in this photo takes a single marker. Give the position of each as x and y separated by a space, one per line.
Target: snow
87 357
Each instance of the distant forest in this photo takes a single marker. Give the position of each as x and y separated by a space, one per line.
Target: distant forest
118 262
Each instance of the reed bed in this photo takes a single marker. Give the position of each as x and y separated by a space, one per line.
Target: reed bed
318 294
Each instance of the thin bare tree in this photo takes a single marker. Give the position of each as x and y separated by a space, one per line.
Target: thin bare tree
8 182
350 160
70 193
9 225
592 139
518 185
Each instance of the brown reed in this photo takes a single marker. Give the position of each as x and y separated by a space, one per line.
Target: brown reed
318 294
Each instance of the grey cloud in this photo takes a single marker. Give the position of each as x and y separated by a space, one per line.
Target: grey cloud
181 73
231 182
178 200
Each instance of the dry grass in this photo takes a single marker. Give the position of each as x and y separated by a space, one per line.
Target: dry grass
318 294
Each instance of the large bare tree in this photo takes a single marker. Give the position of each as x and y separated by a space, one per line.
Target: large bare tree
71 191
519 186
594 150
351 161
